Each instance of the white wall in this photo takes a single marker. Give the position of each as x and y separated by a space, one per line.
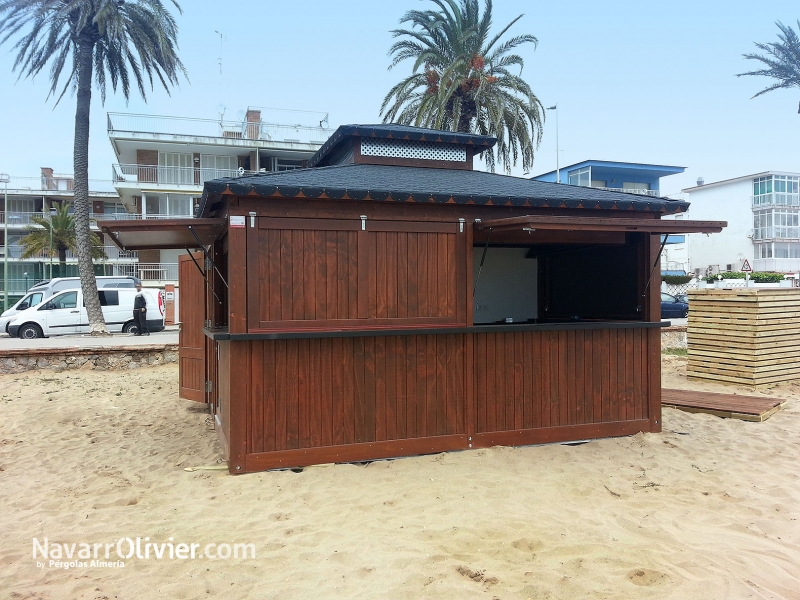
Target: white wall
729 202
507 285
171 256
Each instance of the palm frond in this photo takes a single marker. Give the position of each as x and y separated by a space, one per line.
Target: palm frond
461 79
781 60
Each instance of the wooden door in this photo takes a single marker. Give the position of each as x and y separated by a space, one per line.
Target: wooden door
192 341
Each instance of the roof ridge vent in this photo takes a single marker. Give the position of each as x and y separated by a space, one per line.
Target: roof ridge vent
413 149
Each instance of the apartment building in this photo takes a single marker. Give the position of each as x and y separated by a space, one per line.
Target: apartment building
162 162
160 165
24 197
763 215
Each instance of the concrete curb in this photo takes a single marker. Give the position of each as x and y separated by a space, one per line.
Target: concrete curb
105 358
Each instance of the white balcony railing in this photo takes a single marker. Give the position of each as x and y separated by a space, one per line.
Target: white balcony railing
112 253
17 287
242 130
172 176
24 219
776 233
55 185
149 271
655 193
776 199
780 265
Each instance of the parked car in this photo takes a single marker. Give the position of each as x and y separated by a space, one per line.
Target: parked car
673 308
65 313
682 298
28 300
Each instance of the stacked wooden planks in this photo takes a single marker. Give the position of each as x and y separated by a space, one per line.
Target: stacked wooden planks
748 336
728 406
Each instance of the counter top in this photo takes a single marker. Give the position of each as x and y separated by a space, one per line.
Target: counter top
222 334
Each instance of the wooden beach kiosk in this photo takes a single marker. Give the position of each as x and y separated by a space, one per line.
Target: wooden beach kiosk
389 300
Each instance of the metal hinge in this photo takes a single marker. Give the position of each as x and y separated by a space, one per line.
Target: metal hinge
209 386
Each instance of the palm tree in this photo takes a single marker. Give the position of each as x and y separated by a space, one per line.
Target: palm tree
462 80
121 41
62 227
782 60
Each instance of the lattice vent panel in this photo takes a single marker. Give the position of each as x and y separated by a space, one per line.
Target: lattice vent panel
412 149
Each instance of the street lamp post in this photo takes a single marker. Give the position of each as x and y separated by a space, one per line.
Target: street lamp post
5 179
558 171
25 275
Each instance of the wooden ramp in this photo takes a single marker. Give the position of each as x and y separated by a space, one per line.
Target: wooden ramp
731 406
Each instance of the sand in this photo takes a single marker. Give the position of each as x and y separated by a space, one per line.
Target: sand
708 509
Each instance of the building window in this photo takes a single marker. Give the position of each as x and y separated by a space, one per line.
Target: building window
787 250
785 224
283 164
781 190
216 167
168 205
763 250
762 225
175 168
630 185
581 177
21 205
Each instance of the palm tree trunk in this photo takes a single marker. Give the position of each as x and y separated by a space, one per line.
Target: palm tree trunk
97 325
62 262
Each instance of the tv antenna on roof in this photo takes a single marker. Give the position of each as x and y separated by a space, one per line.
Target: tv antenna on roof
219 60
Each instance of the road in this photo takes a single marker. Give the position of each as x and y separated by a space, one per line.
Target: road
168 336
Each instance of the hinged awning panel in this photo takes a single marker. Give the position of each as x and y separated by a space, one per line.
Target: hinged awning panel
162 234
663 226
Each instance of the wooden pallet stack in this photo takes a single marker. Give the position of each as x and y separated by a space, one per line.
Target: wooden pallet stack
747 336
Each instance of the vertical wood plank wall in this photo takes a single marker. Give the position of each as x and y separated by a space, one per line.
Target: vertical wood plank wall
191 340
330 273
325 400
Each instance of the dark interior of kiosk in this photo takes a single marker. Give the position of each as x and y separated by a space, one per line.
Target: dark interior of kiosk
552 283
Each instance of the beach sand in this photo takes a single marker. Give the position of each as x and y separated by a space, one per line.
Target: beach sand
709 509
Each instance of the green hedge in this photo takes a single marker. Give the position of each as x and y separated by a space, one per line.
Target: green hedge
755 277
767 277
677 279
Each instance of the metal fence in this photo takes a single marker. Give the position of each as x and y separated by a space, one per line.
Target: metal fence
56 185
17 287
242 130
170 175
149 271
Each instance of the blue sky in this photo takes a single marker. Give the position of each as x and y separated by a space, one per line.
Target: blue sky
634 81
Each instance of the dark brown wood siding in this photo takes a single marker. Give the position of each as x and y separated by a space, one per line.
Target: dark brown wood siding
324 400
311 393
527 380
191 341
323 273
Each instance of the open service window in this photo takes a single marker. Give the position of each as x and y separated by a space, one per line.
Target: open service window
577 280
547 269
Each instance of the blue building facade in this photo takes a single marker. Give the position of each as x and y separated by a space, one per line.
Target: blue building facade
636 178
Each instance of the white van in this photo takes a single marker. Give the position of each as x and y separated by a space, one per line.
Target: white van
45 289
65 313
28 300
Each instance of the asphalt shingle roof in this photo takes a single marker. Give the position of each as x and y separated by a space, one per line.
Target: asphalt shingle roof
382 183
